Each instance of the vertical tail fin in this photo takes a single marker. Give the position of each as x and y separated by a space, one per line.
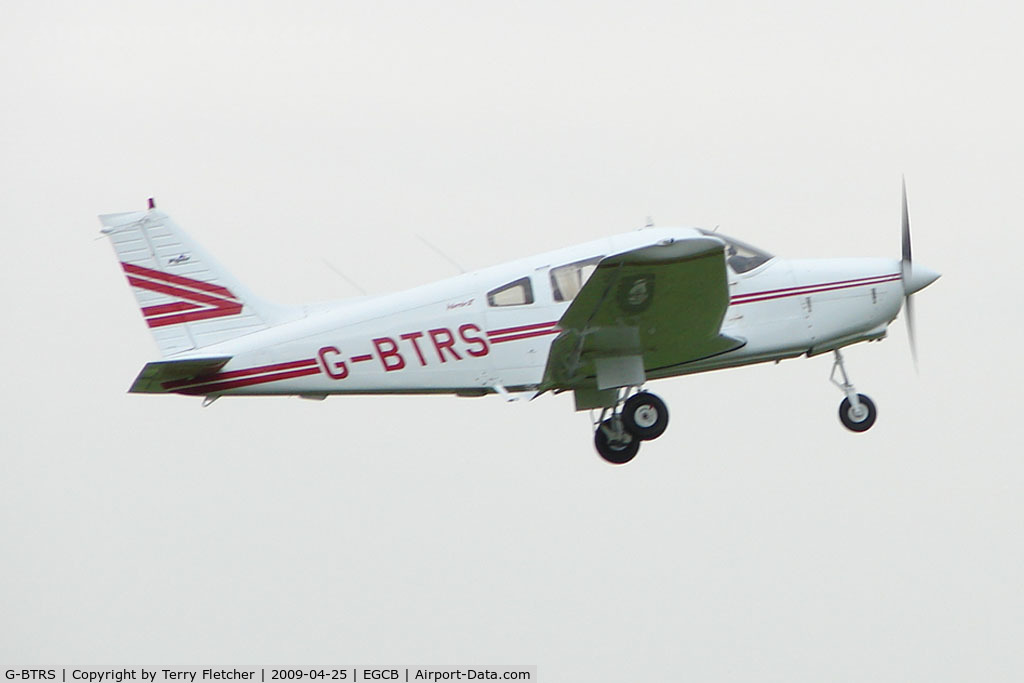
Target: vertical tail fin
188 300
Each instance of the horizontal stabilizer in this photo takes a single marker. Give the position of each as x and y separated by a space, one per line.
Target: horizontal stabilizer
155 377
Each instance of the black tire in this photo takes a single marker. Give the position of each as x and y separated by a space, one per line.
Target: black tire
849 420
616 452
645 415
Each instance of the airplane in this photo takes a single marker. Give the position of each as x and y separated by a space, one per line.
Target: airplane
599 319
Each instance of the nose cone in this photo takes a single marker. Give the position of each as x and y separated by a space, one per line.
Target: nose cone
918 278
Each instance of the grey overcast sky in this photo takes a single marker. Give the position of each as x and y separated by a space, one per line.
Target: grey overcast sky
756 541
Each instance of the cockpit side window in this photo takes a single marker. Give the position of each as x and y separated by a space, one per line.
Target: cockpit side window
740 256
568 280
516 293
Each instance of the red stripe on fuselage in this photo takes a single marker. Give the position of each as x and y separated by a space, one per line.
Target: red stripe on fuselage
308 363
235 384
520 328
525 335
855 281
770 294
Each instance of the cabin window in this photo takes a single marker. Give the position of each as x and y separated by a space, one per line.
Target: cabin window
517 293
568 280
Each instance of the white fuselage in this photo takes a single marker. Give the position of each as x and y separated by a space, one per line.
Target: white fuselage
445 337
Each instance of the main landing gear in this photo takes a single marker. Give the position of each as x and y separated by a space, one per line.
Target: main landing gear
619 430
857 412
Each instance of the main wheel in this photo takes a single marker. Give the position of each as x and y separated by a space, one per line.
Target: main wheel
858 420
645 415
616 449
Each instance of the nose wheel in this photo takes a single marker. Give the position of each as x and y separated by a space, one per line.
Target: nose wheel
858 418
641 417
857 412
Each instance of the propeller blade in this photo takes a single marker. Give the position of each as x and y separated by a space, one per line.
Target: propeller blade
908 306
906 228
907 275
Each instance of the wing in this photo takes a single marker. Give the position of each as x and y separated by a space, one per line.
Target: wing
643 310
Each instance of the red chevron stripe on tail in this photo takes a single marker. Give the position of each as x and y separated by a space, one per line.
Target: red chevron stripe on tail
188 300
198 300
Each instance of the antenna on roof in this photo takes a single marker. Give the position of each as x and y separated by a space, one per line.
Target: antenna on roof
650 222
440 253
344 277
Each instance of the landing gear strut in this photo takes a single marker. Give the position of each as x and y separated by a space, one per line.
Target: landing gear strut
620 428
857 412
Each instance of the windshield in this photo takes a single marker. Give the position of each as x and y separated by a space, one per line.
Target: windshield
740 256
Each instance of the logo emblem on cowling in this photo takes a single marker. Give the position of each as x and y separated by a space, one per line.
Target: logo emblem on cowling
635 293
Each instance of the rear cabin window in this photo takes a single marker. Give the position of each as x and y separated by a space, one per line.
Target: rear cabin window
517 293
568 280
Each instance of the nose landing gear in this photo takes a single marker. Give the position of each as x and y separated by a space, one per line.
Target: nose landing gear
857 412
641 417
